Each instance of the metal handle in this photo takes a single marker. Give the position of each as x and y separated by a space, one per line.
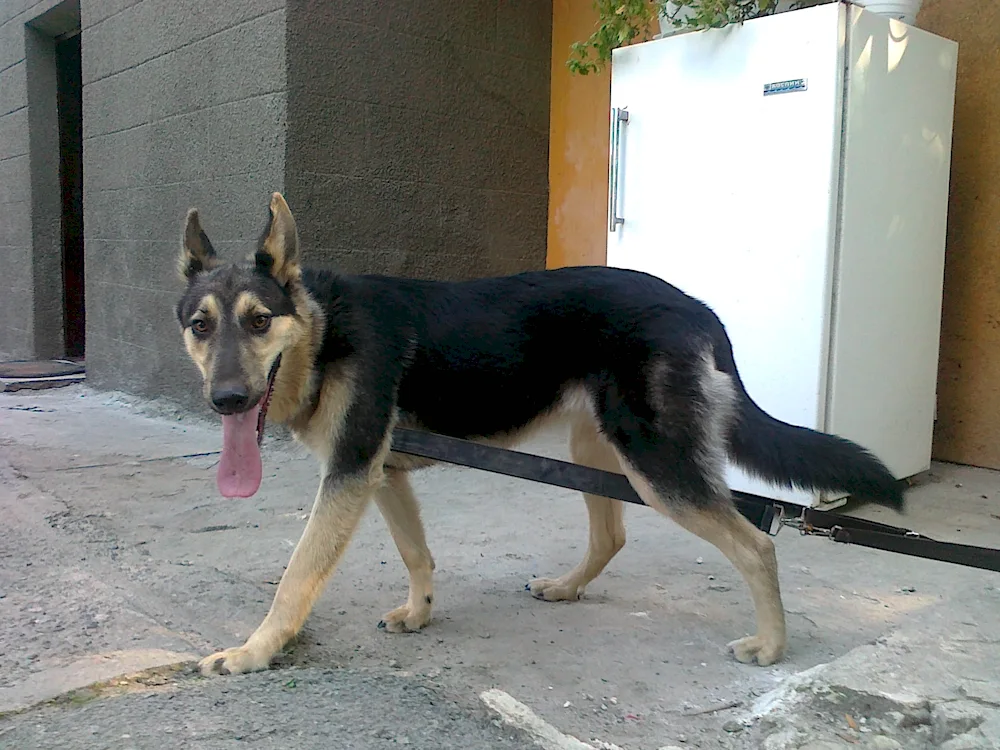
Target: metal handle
618 117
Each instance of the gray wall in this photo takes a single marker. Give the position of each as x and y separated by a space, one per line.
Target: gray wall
418 134
31 311
17 318
183 105
410 136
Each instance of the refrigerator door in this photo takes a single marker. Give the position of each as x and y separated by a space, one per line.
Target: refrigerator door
900 108
725 178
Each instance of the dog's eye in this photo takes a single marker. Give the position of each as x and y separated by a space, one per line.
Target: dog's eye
199 326
260 323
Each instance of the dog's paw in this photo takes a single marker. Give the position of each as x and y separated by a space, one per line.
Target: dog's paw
233 661
405 619
554 590
758 650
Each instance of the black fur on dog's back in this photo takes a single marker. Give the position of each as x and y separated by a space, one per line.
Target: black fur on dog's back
486 357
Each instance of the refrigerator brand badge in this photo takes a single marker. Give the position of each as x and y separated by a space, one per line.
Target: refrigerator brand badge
784 87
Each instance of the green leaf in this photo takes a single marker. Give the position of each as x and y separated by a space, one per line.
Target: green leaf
621 21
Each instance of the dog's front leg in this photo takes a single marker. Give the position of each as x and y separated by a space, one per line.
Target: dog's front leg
339 507
402 514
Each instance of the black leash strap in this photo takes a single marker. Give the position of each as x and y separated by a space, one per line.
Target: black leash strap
849 530
545 470
765 514
984 558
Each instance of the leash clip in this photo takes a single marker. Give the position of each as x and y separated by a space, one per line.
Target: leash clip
804 527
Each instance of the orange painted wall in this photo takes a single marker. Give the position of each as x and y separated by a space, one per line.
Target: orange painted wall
578 146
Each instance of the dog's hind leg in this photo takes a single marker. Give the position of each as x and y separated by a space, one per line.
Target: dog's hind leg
750 551
607 526
399 508
339 507
678 468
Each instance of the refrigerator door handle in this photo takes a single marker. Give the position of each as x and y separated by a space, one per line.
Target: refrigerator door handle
619 116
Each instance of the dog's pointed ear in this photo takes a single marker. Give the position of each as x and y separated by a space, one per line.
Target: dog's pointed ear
278 252
197 253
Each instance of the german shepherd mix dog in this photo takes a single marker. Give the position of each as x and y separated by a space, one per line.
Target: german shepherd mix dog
643 374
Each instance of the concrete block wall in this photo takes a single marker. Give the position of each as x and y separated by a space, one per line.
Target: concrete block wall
418 134
17 292
411 137
31 304
183 105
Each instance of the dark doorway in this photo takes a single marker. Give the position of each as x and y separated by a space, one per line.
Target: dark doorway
69 101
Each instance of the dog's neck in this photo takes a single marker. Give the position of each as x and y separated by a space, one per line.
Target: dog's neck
295 384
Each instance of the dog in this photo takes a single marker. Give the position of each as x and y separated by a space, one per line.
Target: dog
642 374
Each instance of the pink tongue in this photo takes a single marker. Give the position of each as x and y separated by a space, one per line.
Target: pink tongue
239 468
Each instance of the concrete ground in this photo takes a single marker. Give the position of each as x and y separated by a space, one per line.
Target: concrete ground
120 564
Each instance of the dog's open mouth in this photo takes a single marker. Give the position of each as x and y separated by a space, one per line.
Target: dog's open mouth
240 468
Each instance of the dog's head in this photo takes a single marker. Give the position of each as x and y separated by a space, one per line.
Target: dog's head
238 318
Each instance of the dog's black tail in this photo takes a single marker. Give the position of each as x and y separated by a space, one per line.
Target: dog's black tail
790 456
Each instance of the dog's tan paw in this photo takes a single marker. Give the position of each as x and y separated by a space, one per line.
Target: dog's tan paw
234 661
405 619
755 649
554 590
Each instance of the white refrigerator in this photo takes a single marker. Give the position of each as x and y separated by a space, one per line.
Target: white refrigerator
792 172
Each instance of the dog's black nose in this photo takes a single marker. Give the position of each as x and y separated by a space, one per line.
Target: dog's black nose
230 400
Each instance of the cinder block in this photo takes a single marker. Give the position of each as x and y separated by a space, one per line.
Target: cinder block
519 160
326 135
499 89
13 88
517 228
356 11
155 365
16 319
120 101
496 157
14 134
111 162
18 271
414 71
246 136
332 57
524 29
235 208
453 178
102 215
347 261
151 217
464 220
467 152
92 12
465 23
179 150
403 145
153 28
113 364
15 186
365 215
11 42
128 313
11 9
238 63
241 62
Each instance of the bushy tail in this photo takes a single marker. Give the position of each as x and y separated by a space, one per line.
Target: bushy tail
791 456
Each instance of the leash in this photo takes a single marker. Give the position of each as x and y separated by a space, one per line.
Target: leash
767 515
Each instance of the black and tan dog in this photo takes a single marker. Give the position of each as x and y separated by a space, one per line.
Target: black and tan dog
643 375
